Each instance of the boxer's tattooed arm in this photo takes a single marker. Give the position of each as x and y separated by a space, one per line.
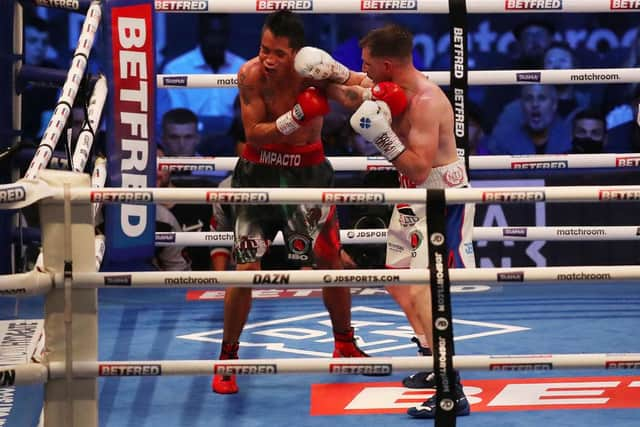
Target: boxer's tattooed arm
352 95
349 97
244 88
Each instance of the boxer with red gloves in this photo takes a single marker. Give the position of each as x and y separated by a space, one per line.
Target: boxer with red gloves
283 150
309 105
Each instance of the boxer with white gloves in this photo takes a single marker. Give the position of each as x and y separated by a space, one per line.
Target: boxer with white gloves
417 135
373 118
316 64
373 121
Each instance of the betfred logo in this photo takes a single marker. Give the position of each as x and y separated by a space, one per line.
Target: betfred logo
352 198
262 5
513 196
247 197
361 368
628 161
103 196
130 370
183 5
560 164
66 4
171 167
619 195
244 369
380 167
533 4
13 194
520 367
495 395
625 4
623 364
388 5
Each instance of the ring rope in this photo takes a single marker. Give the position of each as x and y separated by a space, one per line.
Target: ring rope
385 365
442 78
32 373
357 163
281 279
24 193
70 88
37 282
390 6
366 236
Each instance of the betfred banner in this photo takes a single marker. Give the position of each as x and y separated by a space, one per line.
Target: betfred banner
491 395
131 153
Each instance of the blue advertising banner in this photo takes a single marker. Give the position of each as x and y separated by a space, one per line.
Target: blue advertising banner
131 149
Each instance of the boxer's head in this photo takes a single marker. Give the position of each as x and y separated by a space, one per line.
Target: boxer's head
384 49
282 37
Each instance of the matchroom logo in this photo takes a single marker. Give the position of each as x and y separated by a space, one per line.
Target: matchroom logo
533 4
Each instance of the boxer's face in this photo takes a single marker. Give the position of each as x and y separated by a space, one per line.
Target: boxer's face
377 69
275 54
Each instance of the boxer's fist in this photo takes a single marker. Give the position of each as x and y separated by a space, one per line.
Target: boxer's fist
309 105
373 121
392 95
314 63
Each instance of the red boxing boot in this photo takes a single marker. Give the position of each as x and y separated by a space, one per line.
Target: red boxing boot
226 384
345 345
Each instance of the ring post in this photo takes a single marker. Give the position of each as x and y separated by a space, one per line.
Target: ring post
442 323
77 334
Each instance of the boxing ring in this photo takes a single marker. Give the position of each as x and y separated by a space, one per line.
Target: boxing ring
67 277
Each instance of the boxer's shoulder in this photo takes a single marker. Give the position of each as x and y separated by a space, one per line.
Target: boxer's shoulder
250 74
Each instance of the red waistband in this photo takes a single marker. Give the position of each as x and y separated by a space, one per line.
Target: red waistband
282 155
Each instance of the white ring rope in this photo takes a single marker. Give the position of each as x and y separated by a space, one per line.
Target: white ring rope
281 279
23 193
38 374
91 124
443 78
368 236
361 163
352 196
396 6
352 366
69 90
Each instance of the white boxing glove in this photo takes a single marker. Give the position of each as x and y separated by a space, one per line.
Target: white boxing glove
373 121
314 63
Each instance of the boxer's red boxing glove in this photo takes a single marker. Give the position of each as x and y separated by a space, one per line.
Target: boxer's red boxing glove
310 104
392 95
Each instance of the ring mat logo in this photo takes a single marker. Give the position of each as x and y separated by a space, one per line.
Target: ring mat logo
380 331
